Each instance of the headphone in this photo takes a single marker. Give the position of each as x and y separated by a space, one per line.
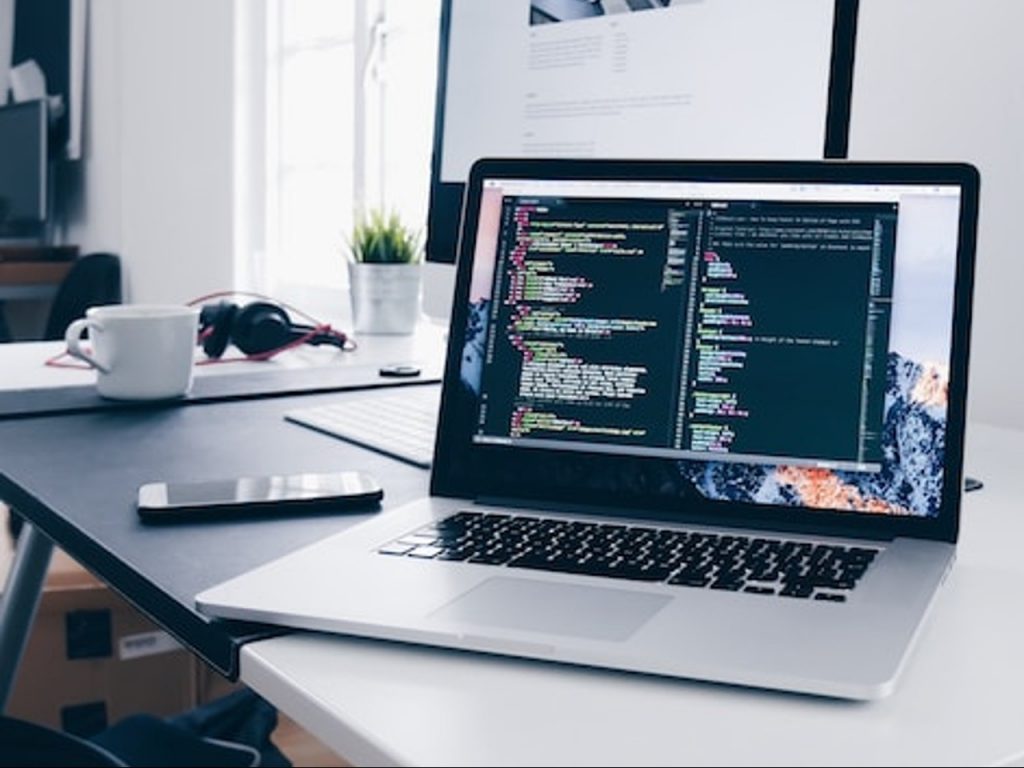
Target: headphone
259 329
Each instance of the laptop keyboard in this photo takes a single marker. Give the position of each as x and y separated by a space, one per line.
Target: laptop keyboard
401 424
760 566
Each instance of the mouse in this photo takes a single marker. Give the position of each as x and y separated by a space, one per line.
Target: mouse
400 370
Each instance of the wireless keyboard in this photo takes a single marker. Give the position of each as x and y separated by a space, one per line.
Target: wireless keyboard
401 423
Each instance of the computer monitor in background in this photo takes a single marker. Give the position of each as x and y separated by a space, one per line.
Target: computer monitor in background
53 35
673 79
23 171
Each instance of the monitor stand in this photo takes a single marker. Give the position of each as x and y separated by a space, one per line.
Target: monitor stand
438 288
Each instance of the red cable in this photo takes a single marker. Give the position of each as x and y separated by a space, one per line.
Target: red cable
55 362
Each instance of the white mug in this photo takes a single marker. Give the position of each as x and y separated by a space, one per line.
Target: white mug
140 351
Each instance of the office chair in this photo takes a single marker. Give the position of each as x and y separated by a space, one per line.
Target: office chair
27 744
94 279
136 740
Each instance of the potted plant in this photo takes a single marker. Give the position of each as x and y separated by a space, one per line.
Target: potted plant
384 274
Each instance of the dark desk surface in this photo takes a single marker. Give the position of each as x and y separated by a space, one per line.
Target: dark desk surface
75 478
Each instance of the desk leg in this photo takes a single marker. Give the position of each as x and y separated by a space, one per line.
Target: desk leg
19 602
5 331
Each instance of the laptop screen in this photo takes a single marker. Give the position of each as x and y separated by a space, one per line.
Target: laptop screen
766 342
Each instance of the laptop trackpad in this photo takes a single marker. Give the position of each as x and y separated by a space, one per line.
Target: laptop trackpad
596 613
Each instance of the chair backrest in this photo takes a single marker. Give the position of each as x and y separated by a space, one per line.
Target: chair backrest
94 279
26 743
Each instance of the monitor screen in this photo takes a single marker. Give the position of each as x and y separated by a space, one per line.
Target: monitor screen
23 168
782 344
658 79
53 35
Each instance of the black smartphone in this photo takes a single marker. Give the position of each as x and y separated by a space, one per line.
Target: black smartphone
248 496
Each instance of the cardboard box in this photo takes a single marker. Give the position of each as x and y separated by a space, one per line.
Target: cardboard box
92 659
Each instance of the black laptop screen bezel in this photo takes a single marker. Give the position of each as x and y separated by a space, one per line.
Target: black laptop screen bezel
456 454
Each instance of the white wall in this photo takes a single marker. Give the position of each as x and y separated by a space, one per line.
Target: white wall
944 80
157 173
94 220
935 79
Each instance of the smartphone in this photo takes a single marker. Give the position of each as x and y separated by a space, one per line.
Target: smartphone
247 496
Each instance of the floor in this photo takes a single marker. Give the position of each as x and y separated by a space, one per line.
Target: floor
301 747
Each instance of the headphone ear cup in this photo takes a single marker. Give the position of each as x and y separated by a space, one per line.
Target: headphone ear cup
215 323
261 327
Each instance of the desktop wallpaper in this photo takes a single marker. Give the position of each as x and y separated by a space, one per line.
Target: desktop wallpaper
915 405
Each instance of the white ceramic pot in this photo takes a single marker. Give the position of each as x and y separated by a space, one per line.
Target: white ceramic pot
386 298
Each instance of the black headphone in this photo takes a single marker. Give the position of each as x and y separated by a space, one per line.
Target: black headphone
258 328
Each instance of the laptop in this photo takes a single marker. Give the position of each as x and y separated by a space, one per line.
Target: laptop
699 419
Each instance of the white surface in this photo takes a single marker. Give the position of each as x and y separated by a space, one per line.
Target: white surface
28 83
157 175
958 703
76 76
941 80
6 47
23 365
663 83
401 424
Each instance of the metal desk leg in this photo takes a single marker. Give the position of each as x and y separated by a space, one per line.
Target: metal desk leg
19 602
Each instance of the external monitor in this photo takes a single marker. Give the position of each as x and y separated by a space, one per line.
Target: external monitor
53 35
23 170
672 79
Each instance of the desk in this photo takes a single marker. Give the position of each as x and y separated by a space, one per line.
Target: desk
373 702
30 388
24 364
958 702
74 475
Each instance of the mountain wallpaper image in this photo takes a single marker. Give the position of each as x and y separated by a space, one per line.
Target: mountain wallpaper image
910 483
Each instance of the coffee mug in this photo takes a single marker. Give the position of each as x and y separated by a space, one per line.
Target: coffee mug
140 351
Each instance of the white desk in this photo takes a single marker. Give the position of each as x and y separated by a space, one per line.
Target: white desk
23 365
958 703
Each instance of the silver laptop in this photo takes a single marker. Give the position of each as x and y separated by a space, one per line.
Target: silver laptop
699 419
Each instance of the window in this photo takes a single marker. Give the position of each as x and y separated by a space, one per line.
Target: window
350 91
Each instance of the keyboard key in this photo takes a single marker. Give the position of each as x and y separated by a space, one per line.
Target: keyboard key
418 539
726 584
733 563
426 552
395 549
797 589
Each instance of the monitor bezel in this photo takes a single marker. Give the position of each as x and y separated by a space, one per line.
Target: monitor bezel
30 229
456 454
446 198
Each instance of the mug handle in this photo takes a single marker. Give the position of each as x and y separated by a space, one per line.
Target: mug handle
73 338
